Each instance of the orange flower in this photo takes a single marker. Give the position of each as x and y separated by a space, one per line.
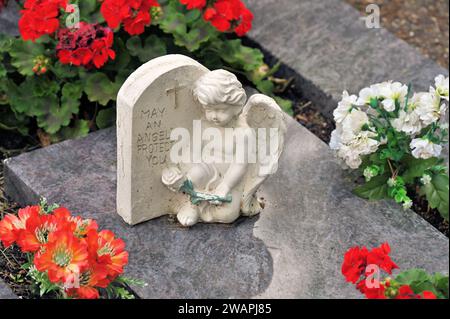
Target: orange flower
87 282
75 224
64 257
84 292
61 213
107 251
81 227
36 232
11 226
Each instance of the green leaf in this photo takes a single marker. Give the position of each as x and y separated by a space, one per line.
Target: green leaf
106 118
286 105
11 121
173 21
43 283
265 87
40 95
99 88
437 193
122 293
440 282
239 56
23 54
199 33
79 129
188 29
417 167
376 189
123 57
419 281
56 117
3 71
153 47
71 94
192 16
411 276
71 91
130 281
53 114
88 9
6 42
64 71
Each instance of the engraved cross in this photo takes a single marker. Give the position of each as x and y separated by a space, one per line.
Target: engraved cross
175 90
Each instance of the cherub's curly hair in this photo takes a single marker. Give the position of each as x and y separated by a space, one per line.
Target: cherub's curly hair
219 87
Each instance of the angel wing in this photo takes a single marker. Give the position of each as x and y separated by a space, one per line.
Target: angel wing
264 115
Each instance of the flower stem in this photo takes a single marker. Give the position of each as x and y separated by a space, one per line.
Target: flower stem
393 172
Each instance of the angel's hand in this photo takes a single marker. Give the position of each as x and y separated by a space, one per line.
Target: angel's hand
221 191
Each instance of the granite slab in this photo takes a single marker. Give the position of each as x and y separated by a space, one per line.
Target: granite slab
293 249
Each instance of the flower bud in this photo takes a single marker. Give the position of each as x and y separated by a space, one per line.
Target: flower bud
156 13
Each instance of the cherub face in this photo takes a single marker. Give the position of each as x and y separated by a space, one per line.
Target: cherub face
221 114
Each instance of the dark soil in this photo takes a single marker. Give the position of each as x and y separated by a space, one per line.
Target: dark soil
420 206
11 258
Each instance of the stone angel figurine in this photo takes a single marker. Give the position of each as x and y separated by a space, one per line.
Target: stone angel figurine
248 142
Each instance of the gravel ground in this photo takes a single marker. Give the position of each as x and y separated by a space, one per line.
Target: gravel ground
421 23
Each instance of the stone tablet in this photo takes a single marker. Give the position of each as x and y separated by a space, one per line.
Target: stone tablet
155 99
195 132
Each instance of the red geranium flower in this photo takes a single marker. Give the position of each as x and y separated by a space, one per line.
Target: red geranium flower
375 291
134 14
114 11
136 25
246 21
89 46
355 262
225 14
64 257
405 292
194 4
428 295
40 17
11 226
380 256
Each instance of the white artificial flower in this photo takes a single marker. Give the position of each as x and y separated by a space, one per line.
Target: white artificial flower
336 139
344 107
388 105
353 124
428 107
362 144
442 84
424 148
352 159
369 173
367 94
392 92
391 182
408 122
407 205
426 179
